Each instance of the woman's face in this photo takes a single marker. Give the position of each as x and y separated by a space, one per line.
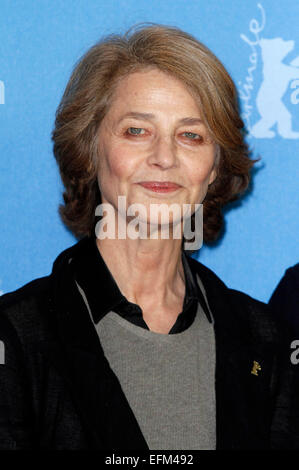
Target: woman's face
153 132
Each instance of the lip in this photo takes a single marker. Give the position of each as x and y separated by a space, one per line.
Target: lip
160 186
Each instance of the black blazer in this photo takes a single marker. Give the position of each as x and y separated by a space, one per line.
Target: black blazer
284 301
57 390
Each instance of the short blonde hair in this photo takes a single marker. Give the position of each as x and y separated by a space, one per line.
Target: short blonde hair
86 101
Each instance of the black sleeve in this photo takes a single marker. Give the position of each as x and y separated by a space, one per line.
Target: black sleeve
16 423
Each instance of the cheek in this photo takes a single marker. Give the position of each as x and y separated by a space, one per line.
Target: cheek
202 173
199 177
117 161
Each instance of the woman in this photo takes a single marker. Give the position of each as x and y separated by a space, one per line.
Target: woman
130 343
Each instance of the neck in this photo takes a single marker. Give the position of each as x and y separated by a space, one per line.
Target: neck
153 267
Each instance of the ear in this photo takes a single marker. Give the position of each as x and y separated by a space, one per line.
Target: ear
213 176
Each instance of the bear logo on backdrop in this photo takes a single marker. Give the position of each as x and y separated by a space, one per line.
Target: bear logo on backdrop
278 77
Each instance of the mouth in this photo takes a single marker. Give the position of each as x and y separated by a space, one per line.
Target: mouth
159 186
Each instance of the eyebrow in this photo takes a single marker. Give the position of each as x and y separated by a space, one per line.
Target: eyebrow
149 116
191 120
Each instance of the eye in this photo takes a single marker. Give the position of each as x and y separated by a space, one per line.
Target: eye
192 136
135 131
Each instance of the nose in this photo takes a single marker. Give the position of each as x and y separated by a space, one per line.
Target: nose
163 153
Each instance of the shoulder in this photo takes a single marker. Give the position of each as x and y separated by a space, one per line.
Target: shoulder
234 306
15 304
287 290
293 272
291 276
27 311
216 285
24 297
22 310
25 303
284 301
24 293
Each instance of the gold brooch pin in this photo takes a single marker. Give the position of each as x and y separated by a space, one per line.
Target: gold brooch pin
255 368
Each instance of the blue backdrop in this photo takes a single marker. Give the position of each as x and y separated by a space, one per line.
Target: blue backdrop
259 45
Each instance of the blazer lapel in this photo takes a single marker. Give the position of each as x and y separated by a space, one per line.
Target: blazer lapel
78 356
239 394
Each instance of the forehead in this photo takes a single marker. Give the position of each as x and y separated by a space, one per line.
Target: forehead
153 89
